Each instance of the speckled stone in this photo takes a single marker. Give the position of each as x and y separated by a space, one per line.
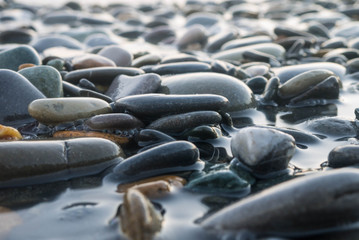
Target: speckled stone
14 57
57 110
47 79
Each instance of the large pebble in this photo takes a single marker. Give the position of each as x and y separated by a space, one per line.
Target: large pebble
14 57
155 105
292 208
238 93
194 38
16 93
180 67
180 122
69 158
47 79
264 151
57 110
120 56
123 86
166 158
242 42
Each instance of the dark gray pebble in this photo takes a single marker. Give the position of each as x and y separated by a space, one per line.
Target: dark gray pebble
181 67
119 121
166 158
344 156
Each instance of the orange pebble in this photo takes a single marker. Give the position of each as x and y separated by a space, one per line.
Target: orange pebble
26 65
75 134
9 133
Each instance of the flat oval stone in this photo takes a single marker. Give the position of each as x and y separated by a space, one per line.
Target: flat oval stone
288 72
166 158
292 208
264 151
45 78
119 121
180 122
236 54
238 93
21 36
194 38
12 58
181 67
148 59
155 105
242 42
44 43
159 34
101 75
91 61
16 93
303 82
28 162
123 85
57 110
332 126
120 56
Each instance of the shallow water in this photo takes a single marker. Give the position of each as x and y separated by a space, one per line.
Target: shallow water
85 208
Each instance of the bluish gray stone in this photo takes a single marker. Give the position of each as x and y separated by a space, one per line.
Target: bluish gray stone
14 57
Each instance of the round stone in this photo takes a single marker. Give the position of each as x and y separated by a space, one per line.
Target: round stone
120 56
12 58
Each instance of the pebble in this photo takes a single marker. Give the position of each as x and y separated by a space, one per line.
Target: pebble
101 76
116 138
343 156
12 58
293 208
69 158
91 61
44 43
242 42
195 38
119 121
123 85
302 82
159 34
181 122
263 151
236 54
45 78
332 126
239 95
224 183
120 56
9 133
16 93
156 105
57 110
181 67
166 158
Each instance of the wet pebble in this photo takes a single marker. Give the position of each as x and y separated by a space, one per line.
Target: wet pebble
69 158
180 68
238 93
332 126
180 122
115 121
9 133
123 86
263 151
57 110
299 214
45 78
156 105
166 158
343 156
16 93
225 183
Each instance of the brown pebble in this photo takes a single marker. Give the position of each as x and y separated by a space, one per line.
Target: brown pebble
91 61
75 134
26 65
